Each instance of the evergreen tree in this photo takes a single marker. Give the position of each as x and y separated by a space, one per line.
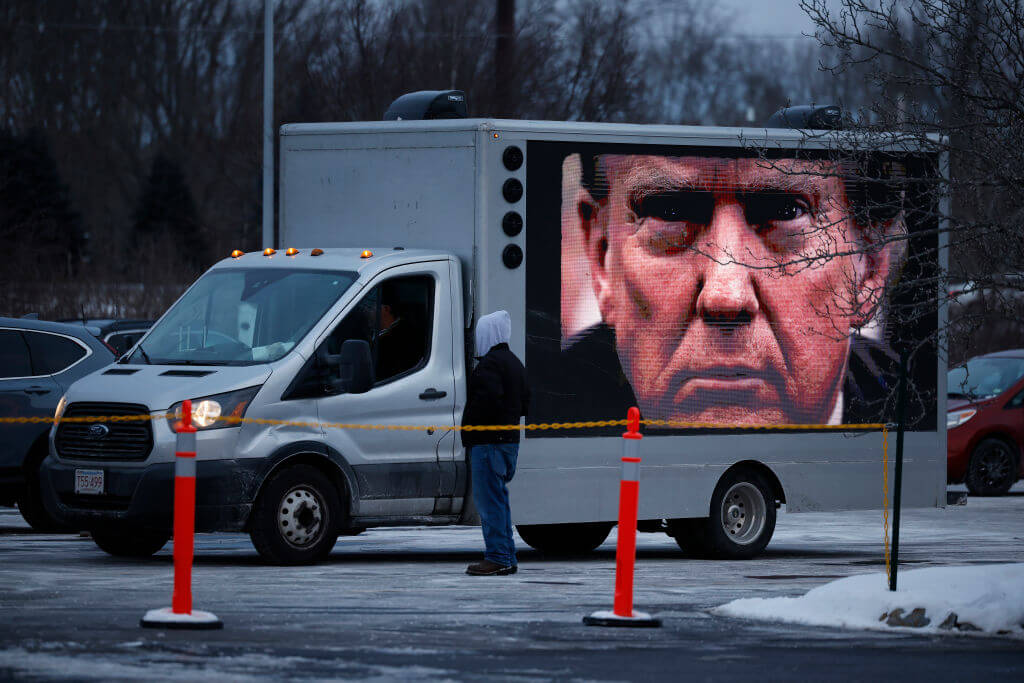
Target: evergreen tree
167 224
36 217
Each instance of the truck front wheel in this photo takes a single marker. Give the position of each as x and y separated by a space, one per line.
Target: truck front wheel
296 517
30 503
741 524
132 544
565 539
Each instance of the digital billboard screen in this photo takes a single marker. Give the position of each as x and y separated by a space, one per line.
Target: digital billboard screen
726 287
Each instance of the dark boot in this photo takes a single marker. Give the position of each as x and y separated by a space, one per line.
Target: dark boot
488 568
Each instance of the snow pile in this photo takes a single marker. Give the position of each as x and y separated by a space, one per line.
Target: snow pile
934 600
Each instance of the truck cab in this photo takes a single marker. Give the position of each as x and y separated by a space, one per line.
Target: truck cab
299 339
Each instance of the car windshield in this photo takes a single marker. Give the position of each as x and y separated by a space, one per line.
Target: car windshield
242 317
984 377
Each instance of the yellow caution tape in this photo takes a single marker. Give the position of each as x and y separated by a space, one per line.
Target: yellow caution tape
670 424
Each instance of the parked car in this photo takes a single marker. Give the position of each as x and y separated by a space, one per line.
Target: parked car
38 362
985 422
121 335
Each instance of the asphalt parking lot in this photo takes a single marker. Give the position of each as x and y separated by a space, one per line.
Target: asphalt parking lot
394 604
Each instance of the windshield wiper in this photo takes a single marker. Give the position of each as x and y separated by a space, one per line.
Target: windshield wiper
145 356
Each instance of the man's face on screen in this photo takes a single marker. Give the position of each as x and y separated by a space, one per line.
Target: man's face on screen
729 283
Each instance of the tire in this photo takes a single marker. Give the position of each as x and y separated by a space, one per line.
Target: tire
689 535
565 539
31 507
130 544
741 524
296 517
992 469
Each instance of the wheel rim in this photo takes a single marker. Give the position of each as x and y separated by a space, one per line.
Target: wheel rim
743 513
300 516
994 466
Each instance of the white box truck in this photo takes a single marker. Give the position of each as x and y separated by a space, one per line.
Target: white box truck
725 288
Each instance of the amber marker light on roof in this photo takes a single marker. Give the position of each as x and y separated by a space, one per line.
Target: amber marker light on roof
316 252
366 254
269 252
292 251
237 253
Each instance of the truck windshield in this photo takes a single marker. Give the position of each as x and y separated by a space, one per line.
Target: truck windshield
242 317
984 377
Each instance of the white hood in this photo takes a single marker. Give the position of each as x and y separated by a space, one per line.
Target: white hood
491 330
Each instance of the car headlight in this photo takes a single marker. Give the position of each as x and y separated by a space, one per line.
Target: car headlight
955 418
61 405
207 409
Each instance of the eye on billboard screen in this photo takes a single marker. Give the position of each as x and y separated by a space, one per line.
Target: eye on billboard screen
728 288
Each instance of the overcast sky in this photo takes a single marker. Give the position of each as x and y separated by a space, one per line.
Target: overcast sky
768 17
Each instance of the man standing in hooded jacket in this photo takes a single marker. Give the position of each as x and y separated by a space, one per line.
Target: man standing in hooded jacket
498 395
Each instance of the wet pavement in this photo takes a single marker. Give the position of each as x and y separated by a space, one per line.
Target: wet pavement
394 604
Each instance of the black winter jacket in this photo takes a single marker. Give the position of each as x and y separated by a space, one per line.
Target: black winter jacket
498 395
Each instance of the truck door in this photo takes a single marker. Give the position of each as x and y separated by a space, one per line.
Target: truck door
406 318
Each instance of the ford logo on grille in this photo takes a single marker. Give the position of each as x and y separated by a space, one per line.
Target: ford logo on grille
98 431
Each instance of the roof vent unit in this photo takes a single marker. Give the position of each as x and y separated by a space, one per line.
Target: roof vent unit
812 117
428 104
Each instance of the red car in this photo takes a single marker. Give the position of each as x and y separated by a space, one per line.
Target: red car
985 422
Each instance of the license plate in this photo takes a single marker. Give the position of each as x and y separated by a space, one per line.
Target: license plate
89 482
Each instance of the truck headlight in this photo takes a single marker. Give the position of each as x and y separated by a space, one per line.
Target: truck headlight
955 418
61 405
208 412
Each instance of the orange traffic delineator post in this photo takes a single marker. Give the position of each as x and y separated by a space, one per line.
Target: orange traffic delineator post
180 614
622 613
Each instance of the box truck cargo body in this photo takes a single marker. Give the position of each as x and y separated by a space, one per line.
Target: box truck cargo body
748 290
458 185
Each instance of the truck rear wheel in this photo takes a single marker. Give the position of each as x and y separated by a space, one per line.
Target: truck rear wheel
741 524
130 544
565 539
296 517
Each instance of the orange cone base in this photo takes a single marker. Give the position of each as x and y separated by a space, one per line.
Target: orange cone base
166 618
609 618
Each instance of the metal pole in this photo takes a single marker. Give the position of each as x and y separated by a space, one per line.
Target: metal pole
898 476
504 56
268 123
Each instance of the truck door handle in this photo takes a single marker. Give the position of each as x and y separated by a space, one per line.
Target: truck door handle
36 390
432 393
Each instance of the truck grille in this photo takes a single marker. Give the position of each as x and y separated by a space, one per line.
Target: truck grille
121 440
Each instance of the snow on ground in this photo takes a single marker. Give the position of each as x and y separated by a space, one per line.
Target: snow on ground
988 598
396 604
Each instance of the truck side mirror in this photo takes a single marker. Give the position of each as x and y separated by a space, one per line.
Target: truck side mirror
356 366
328 366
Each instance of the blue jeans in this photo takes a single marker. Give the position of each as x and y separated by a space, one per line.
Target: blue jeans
493 466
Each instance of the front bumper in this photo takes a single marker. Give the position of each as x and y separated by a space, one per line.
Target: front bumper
143 498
